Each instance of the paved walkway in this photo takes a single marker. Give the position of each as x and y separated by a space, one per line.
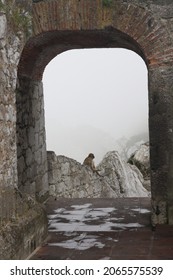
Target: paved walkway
109 229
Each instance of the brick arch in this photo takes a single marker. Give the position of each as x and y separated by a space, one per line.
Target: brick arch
63 25
41 49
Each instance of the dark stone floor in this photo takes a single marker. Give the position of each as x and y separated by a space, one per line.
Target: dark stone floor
110 229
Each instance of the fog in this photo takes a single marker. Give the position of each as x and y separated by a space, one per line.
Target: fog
93 97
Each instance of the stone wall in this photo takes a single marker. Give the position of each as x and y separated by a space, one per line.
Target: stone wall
25 231
69 178
10 48
31 141
23 224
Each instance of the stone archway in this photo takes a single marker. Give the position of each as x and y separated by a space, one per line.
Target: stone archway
62 25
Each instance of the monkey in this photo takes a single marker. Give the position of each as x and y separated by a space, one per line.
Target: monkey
89 161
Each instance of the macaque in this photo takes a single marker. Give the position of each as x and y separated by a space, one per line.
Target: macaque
89 161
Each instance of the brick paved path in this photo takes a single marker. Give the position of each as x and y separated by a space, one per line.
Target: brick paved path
110 229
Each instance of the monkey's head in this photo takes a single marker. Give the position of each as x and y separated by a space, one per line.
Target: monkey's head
91 155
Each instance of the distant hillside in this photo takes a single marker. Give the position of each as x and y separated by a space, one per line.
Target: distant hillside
126 147
78 141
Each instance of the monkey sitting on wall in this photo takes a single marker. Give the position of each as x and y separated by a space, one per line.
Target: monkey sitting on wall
89 161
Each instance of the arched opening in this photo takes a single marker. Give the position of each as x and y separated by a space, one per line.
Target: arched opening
139 27
101 89
97 100
38 52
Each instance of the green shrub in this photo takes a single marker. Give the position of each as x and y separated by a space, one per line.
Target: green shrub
107 3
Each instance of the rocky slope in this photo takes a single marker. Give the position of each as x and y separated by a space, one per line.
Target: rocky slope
69 178
141 159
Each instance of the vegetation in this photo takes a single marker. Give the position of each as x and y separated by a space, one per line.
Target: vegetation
18 18
107 3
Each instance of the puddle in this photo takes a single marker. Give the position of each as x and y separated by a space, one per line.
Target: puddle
116 219
83 206
125 226
60 210
81 242
83 218
94 222
142 211
79 223
111 239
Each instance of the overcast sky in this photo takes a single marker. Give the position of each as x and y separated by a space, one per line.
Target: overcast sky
103 92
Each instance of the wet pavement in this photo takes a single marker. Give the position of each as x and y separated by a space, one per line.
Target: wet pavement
110 229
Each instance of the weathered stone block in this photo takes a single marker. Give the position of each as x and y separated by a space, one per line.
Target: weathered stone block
3 25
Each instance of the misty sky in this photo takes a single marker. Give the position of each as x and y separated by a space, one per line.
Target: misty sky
93 97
